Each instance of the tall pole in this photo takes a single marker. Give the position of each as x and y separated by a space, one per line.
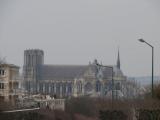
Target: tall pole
112 80
112 85
152 70
143 41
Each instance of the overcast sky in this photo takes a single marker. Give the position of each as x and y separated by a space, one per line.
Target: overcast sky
78 31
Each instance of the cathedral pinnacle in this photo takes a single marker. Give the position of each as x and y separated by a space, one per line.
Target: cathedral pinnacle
118 61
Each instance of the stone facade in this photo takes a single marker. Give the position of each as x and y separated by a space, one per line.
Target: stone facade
69 80
9 81
33 60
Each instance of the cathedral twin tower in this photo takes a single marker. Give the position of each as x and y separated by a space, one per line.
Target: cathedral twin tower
33 60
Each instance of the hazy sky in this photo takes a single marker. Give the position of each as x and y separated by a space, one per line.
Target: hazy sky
78 31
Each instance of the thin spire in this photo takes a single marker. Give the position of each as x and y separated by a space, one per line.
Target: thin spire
118 60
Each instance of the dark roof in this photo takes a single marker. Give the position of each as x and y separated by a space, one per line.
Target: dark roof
49 72
107 72
69 72
9 65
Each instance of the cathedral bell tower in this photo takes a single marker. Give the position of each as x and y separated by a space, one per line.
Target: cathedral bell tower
33 60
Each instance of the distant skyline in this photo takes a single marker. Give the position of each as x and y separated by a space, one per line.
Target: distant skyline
76 32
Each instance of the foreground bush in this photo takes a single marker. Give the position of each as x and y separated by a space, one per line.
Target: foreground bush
83 105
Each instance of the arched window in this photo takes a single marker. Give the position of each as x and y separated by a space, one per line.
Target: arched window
98 86
63 88
29 60
41 87
58 88
118 87
47 88
88 87
79 87
69 88
52 88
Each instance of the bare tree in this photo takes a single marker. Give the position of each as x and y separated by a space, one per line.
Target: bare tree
2 60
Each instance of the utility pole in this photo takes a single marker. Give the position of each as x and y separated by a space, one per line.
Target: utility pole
112 79
143 41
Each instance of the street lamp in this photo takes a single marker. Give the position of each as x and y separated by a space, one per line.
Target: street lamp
141 40
112 80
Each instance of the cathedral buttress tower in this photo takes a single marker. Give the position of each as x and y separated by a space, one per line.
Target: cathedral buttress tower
118 61
33 60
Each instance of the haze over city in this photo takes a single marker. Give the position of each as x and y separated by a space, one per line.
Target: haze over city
76 32
79 59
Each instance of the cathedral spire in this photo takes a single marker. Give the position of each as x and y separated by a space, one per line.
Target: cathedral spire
118 61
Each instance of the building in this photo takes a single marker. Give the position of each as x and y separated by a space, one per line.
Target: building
9 80
33 63
69 80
